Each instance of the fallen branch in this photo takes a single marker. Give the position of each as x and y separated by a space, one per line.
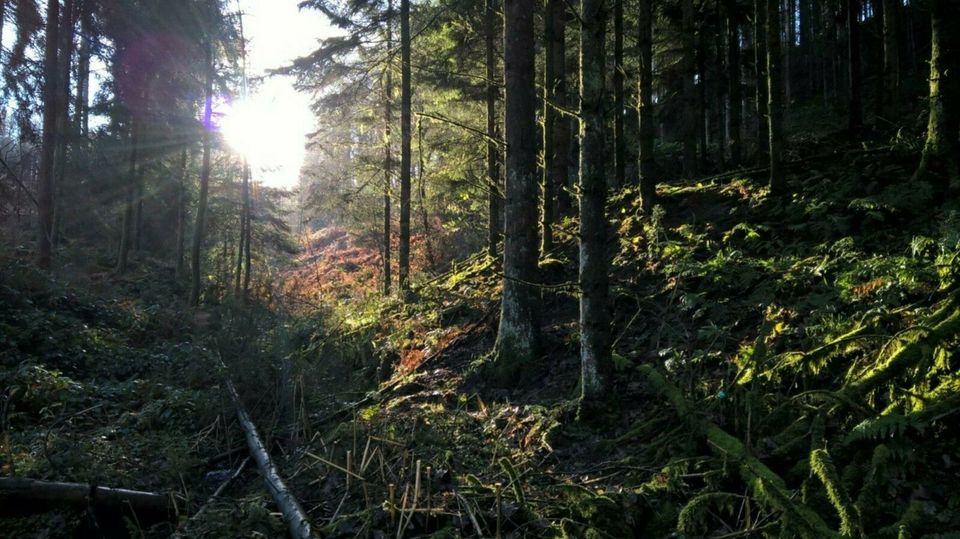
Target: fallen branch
21 496
905 358
764 482
293 514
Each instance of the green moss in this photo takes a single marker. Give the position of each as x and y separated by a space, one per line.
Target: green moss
822 466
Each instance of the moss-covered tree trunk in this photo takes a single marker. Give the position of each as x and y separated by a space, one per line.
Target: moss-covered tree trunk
494 181
554 144
734 86
855 79
594 315
645 100
201 219
939 161
760 74
775 99
518 334
45 175
406 135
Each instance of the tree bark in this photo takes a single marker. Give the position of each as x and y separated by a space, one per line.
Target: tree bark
387 152
405 139
19 496
775 99
518 333
49 140
494 181
554 135
293 514
855 104
200 228
647 127
595 362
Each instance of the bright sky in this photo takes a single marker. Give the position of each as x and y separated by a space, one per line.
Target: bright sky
270 127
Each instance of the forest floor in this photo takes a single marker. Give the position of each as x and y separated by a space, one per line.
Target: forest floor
784 368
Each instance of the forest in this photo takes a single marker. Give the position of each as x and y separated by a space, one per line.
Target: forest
490 268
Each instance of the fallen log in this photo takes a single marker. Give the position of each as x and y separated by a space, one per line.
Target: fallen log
21 496
293 514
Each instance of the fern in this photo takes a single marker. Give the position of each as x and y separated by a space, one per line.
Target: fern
822 466
882 427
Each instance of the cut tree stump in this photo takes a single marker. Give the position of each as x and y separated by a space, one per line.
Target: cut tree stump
21 496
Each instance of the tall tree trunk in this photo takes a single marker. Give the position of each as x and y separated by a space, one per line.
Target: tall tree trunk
64 57
141 170
939 161
688 71
595 361
49 140
620 143
808 74
387 152
701 101
3 18
734 88
892 11
720 74
855 105
242 232
247 241
760 68
494 182
645 90
181 211
518 333
775 99
126 227
82 105
200 227
243 248
555 141
787 70
405 138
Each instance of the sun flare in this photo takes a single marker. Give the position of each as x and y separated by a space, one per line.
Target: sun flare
269 129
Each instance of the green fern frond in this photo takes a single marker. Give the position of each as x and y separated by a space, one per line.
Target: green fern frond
882 427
